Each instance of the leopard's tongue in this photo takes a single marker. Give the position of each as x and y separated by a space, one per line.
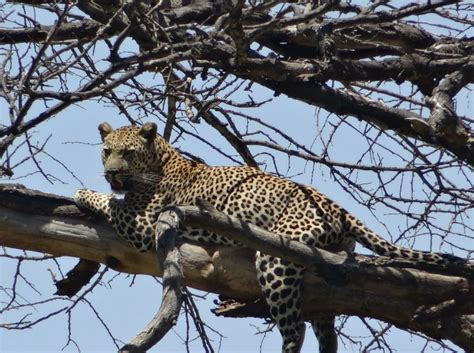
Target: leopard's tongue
116 185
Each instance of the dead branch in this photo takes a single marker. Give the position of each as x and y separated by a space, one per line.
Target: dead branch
169 258
397 295
77 278
84 31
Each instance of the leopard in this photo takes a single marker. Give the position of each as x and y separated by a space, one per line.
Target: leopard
152 175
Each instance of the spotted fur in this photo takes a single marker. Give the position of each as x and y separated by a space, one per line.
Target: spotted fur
154 175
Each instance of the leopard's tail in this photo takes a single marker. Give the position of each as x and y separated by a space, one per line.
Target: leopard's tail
380 246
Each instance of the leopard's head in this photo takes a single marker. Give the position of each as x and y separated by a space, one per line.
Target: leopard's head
128 154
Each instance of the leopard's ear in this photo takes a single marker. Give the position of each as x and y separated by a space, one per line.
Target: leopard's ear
148 131
105 129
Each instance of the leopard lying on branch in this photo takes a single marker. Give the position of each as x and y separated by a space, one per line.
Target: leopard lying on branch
154 175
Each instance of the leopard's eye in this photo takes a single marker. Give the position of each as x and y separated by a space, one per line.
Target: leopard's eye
127 153
106 151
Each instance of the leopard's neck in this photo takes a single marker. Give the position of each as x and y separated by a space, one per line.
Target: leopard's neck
172 166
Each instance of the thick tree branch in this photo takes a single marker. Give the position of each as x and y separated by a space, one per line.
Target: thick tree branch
77 278
83 31
167 315
383 116
46 223
448 127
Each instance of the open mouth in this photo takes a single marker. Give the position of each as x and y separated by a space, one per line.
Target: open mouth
116 185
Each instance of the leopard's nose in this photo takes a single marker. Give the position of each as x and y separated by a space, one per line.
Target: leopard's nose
112 175
112 172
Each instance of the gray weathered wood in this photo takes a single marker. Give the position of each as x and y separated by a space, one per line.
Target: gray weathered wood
393 294
169 258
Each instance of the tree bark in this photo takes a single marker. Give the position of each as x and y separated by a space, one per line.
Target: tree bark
438 305
169 259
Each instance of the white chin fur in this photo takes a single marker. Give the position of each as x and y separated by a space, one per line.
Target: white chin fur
120 193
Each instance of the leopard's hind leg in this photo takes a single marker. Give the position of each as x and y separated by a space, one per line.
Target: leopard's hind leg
325 332
280 282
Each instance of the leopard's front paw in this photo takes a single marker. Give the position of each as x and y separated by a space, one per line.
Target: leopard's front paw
82 197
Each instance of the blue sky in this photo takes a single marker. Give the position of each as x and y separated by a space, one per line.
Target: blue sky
126 303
